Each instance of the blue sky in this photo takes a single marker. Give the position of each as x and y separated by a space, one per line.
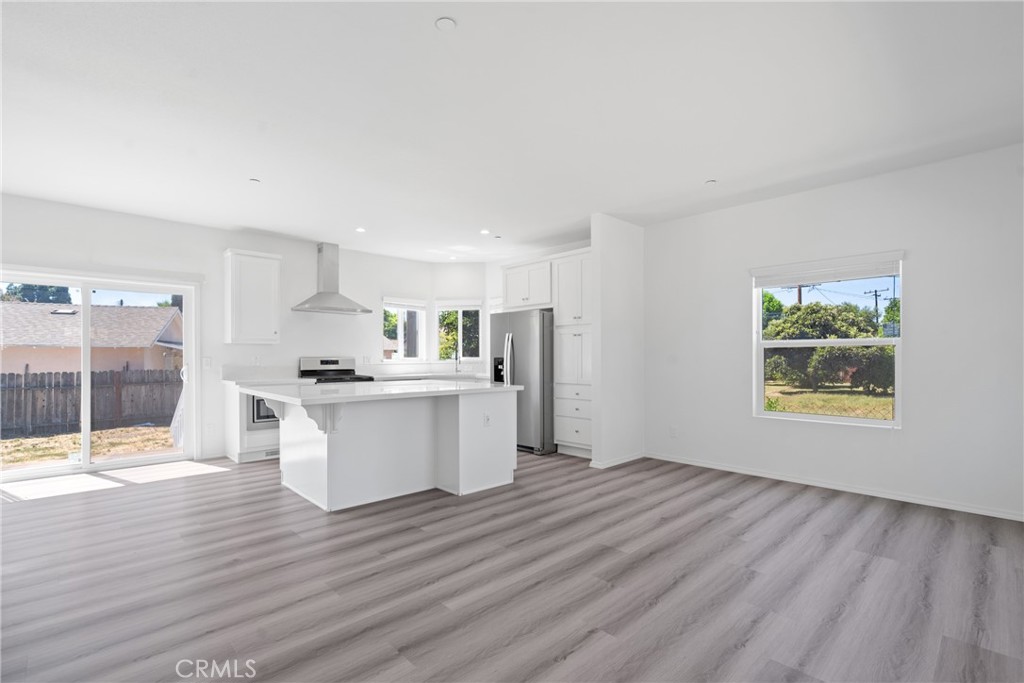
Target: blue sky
852 291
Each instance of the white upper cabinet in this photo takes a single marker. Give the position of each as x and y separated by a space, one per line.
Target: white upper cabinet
253 297
573 290
528 285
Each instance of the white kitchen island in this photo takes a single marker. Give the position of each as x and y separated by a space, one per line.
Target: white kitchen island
347 444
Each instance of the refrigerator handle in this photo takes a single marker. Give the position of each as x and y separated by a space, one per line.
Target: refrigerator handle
504 360
510 363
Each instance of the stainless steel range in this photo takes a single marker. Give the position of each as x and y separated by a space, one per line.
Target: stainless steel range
333 369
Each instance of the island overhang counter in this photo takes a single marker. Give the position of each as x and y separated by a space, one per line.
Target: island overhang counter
349 444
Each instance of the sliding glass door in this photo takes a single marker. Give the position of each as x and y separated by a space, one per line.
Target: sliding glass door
137 370
123 347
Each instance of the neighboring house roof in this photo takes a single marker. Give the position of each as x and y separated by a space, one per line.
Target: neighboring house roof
390 344
31 324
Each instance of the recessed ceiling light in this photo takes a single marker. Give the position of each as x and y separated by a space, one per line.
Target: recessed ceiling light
710 181
485 232
254 180
360 229
451 258
445 24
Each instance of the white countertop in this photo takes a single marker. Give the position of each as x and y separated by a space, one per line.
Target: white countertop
348 392
290 381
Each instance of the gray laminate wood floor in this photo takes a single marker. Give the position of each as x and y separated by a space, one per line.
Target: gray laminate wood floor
651 571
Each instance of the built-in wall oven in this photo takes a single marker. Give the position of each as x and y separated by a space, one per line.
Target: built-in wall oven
260 415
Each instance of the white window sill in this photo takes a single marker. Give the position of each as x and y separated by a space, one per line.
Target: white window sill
829 419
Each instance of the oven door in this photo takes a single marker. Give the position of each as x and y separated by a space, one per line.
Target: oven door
260 416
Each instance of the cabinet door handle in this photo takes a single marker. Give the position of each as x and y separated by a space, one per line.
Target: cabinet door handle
577 393
577 431
577 410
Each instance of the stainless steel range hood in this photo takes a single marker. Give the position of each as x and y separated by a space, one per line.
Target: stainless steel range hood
327 298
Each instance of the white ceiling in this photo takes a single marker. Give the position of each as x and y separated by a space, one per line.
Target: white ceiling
523 121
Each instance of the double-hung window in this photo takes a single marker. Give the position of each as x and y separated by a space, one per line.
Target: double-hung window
827 340
404 330
458 331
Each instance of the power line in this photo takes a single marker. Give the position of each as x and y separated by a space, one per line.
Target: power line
834 291
823 294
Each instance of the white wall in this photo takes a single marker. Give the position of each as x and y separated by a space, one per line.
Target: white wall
617 253
960 222
63 236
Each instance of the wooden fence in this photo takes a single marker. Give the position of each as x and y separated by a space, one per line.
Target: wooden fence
44 403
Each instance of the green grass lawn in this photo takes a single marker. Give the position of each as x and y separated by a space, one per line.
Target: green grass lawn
837 400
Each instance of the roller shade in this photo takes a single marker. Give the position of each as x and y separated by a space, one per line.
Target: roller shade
829 270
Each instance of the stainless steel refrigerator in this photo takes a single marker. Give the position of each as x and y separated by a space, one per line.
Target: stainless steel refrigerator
522 352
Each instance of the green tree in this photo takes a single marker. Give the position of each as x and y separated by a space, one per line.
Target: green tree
821 321
830 365
390 324
471 334
876 369
776 367
447 334
870 368
771 308
814 321
37 294
892 311
865 316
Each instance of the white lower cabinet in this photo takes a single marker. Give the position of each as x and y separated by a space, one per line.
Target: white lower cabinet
567 407
574 391
572 419
572 431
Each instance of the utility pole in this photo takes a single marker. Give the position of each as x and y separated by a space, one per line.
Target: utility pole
877 293
800 291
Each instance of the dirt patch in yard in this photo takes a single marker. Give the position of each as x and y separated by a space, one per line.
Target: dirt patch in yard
106 444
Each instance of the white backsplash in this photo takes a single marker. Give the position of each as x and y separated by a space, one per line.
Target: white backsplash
250 373
427 368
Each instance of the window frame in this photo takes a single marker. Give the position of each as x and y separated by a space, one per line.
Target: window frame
407 305
885 264
460 306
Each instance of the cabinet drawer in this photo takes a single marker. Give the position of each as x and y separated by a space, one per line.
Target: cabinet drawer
572 430
567 407
575 391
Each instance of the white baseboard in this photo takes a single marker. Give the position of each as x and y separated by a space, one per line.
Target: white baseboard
255 456
479 488
604 464
1016 516
573 450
